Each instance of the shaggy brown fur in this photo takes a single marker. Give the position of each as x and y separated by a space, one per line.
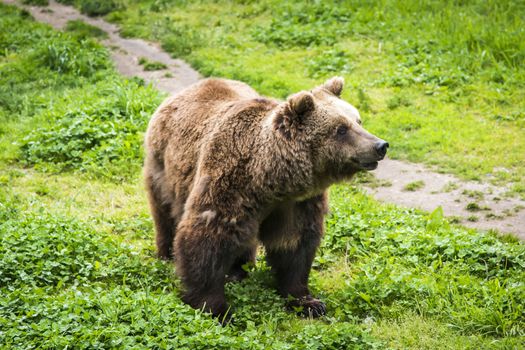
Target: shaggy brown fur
227 169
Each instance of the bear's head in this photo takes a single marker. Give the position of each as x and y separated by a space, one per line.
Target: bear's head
331 128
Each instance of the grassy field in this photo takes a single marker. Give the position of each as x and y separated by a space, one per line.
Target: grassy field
437 78
77 262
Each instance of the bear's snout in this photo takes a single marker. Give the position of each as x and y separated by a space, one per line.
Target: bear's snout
381 147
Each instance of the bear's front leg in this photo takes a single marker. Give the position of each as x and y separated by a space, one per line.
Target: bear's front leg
292 263
292 269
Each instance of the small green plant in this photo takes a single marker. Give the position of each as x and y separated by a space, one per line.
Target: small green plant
103 140
492 216
82 58
455 219
304 25
181 40
36 2
97 7
518 207
333 61
398 101
369 180
449 187
414 186
151 66
473 218
473 206
474 194
84 30
364 100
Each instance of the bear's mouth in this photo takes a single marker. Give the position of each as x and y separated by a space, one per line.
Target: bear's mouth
368 165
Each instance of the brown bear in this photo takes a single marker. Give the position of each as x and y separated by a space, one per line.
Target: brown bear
227 169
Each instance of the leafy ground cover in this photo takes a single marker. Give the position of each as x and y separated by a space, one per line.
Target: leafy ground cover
89 119
440 78
77 265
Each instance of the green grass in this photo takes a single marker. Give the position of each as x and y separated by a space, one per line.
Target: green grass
151 66
77 265
96 7
85 30
414 186
36 2
443 82
89 119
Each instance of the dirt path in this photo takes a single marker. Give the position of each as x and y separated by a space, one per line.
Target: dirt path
470 203
473 204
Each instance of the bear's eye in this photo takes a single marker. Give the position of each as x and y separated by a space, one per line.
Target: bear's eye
342 130
359 121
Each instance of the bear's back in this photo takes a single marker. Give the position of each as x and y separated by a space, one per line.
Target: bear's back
189 115
184 123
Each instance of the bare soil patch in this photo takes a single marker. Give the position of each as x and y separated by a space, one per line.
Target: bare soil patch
472 204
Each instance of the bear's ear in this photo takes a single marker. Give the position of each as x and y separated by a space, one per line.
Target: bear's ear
301 103
334 85
291 115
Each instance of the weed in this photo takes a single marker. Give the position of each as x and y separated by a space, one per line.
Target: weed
180 40
414 186
398 101
84 30
364 100
304 25
449 187
492 216
331 61
81 58
97 7
102 139
455 219
473 206
151 66
473 194
371 181
36 2
513 211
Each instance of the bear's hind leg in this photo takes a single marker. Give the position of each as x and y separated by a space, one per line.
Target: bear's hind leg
202 259
160 210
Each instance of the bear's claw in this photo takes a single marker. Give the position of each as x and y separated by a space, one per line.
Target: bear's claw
308 306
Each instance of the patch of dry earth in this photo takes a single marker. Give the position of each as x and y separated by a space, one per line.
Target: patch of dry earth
467 201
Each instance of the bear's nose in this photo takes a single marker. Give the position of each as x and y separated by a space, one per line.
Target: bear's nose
381 147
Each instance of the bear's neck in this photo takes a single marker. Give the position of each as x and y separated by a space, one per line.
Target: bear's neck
284 166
